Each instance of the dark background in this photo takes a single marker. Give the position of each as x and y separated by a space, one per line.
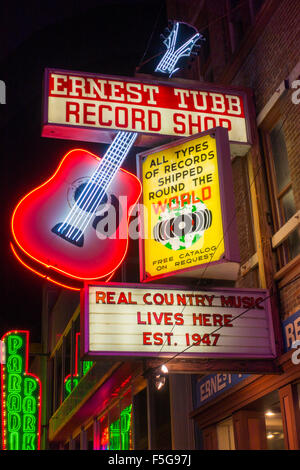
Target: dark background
104 36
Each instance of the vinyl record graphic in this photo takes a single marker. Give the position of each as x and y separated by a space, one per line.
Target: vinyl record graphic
180 228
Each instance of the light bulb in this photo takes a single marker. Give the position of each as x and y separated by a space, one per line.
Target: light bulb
160 381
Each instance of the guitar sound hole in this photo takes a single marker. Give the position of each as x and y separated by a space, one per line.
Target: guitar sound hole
89 201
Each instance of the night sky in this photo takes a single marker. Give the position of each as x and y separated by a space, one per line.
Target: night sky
108 37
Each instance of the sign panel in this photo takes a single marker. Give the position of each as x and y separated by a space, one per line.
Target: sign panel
85 106
188 220
139 320
21 396
211 386
291 330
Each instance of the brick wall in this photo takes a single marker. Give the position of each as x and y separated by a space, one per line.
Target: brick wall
270 61
274 55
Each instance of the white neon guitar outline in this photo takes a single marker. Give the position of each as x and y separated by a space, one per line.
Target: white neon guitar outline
168 62
79 217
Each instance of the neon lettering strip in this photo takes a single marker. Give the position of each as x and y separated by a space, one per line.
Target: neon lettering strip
21 396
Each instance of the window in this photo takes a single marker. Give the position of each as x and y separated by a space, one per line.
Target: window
281 190
271 428
115 426
161 431
140 420
90 437
225 435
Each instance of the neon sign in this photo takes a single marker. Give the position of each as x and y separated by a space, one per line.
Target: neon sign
118 435
184 192
122 426
69 203
175 52
104 441
21 396
154 109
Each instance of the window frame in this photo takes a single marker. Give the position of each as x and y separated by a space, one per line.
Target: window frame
275 196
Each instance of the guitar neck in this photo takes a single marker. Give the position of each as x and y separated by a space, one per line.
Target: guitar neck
113 158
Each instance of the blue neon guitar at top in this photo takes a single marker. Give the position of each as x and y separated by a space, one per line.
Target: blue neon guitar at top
177 48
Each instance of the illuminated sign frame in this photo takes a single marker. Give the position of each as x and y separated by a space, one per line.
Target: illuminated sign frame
22 392
170 99
224 267
144 320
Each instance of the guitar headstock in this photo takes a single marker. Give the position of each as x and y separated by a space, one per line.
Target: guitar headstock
181 41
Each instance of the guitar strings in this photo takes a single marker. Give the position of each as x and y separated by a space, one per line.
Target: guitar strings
76 209
89 193
81 220
88 218
84 218
174 56
171 57
89 186
173 40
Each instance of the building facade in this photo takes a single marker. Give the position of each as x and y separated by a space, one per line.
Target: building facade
108 404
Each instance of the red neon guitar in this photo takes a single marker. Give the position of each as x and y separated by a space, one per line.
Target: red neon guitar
55 226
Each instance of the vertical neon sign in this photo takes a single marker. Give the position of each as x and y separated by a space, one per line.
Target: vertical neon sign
21 396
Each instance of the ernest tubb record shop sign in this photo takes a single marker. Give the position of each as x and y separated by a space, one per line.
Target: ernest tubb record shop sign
86 106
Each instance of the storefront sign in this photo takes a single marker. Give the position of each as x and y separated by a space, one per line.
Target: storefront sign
211 386
85 106
291 330
21 396
139 320
188 220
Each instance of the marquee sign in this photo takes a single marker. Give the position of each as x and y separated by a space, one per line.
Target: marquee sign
148 320
21 396
188 221
89 107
